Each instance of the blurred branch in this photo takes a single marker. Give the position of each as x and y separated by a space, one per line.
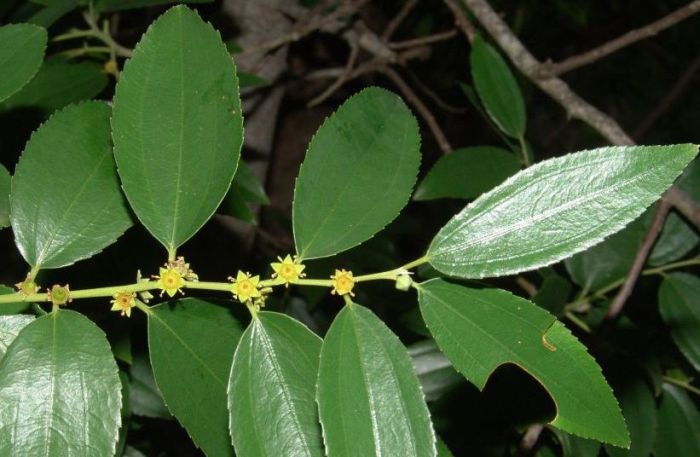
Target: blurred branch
398 19
550 69
657 224
529 439
684 203
678 88
461 19
442 36
423 110
354 51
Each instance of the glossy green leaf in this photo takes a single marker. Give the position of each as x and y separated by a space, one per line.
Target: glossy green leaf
177 128
497 88
639 409
66 203
21 52
435 373
610 260
5 180
679 304
272 389
192 344
358 174
677 239
59 390
555 209
467 173
679 425
10 327
57 84
144 397
369 398
480 330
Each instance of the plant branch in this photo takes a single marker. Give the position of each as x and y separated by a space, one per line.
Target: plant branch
684 204
629 38
423 110
398 19
354 51
461 19
657 224
430 39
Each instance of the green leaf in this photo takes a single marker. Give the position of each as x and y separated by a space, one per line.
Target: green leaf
677 239
245 188
5 180
497 88
610 260
105 6
369 398
272 389
467 173
679 425
442 449
358 174
21 52
192 344
639 409
10 327
59 389
480 330
144 397
679 304
575 446
177 126
249 79
435 373
54 11
555 209
66 203
57 84
11 308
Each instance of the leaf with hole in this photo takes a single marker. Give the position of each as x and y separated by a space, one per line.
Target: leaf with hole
482 329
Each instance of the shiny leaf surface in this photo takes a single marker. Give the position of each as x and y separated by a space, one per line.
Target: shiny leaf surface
192 344
10 327
358 174
365 369
177 126
68 403
480 330
555 209
272 389
66 203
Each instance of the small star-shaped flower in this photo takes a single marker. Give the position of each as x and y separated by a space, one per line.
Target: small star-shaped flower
288 269
123 302
245 286
59 295
170 281
343 283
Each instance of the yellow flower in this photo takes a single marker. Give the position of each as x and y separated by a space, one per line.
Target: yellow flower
288 269
170 281
343 282
183 268
59 295
245 286
123 301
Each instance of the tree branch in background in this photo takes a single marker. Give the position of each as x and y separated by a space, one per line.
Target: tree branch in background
423 110
550 69
354 51
398 19
684 204
461 19
430 39
657 224
678 88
